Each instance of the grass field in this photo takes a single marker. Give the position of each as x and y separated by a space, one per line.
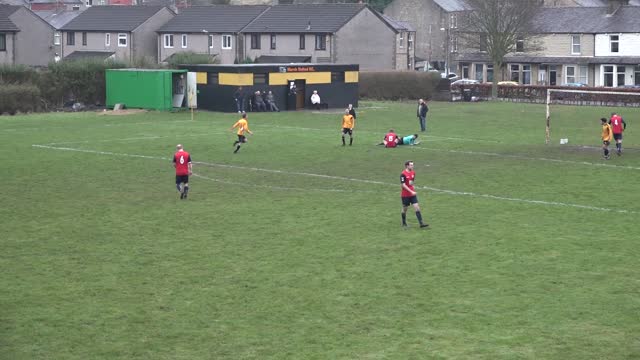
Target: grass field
292 248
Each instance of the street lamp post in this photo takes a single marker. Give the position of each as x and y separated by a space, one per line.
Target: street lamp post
447 51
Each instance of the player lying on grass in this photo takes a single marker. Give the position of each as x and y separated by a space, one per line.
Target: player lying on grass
391 140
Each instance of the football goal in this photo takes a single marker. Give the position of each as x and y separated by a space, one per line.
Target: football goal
589 98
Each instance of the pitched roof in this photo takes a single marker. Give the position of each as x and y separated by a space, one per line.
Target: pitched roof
57 19
13 2
307 18
573 20
111 18
451 5
5 23
274 59
55 2
397 24
213 19
78 55
597 3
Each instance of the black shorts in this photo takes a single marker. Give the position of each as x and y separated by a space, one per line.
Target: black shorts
617 136
182 179
406 201
606 143
347 131
242 139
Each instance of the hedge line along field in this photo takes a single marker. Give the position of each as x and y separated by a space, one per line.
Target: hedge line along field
292 248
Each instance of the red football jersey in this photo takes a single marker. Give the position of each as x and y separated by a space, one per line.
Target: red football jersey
616 124
182 159
407 178
390 138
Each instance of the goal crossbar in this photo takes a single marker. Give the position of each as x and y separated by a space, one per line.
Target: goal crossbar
548 103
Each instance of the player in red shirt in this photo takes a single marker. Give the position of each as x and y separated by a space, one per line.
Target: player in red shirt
390 139
617 126
409 195
184 168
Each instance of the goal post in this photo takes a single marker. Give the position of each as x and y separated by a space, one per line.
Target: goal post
585 97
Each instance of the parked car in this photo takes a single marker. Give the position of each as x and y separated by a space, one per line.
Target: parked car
451 76
510 83
631 86
465 82
576 84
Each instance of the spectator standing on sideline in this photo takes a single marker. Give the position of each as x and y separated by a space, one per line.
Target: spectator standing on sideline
184 168
348 123
409 195
352 111
271 102
607 134
238 96
422 114
315 100
243 126
259 104
617 127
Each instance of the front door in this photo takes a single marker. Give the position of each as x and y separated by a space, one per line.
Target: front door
301 94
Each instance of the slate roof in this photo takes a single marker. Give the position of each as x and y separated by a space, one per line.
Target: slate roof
111 18
307 18
77 55
274 59
559 60
451 5
587 20
77 2
13 2
214 18
57 19
597 3
5 23
397 24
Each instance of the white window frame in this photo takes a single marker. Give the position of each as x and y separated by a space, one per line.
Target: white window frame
453 21
57 38
126 40
107 39
409 41
88 3
580 74
226 42
168 41
575 42
401 39
526 69
616 41
184 41
210 41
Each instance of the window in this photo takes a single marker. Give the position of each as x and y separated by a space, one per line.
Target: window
520 45
614 42
483 42
465 70
636 75
576 74
212 78
608 75
226 41
259 78
410 41
337 76
526 74
302 41
321 42
56 38
75 8
479 71
3 42
88 2
210 41
514 71
168 40
401 39
122 40
620 72
71 38
84 39
273 41
575 44
489 72
453 21
255 41
107 39
454 44
183 41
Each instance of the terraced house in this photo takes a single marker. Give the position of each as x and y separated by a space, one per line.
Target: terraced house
24 37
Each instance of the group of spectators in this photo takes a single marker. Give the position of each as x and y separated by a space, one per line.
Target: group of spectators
258 101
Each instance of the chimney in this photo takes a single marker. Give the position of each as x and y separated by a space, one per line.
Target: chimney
614 5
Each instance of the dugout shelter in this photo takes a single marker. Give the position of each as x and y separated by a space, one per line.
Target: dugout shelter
336 84
154 89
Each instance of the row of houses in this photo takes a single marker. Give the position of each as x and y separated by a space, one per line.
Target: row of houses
327 33
591 42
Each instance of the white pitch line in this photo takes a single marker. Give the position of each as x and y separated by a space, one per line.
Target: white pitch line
528 158
375 182
134 138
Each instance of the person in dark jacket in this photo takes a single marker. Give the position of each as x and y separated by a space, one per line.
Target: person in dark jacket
259 104
352 111
422 114
238 97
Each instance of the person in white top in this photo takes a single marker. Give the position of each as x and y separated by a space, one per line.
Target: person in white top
315 99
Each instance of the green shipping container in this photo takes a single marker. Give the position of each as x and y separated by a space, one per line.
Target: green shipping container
151 89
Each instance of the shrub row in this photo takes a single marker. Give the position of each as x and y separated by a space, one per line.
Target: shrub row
19 98
393 85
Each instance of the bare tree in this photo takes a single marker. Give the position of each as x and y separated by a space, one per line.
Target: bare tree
499 27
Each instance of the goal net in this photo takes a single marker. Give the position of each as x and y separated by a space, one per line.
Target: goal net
588 98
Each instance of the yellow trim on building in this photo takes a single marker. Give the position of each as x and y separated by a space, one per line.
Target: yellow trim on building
235 79
351 76
310 77
201 78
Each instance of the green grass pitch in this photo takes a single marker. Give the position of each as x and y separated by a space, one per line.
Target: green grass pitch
292 248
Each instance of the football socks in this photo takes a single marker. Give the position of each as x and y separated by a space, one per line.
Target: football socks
404 219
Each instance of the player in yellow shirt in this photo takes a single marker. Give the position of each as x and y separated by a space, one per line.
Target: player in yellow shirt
348 123
607 134
243 127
